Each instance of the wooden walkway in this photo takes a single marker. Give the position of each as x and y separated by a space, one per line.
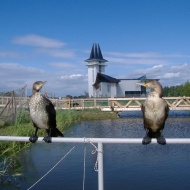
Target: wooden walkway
107 104
126 104
119 104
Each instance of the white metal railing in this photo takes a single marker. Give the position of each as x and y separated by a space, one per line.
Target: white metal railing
100 142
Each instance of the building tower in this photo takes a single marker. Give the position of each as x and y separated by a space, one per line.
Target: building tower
96 64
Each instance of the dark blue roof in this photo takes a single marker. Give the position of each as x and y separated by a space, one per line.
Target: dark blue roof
104 78
96 54
142 78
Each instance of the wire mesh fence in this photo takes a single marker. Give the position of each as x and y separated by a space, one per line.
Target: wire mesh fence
12 104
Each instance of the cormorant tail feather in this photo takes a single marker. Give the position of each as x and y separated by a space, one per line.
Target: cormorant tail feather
55 132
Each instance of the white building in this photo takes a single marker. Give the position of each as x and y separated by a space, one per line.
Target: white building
102 85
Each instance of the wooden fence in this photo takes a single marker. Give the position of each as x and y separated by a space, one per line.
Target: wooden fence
107 104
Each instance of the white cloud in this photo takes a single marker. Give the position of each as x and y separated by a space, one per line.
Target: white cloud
170 75
145 55
182 68
38 41
61 64
61 53
74 84
152 71
165 67
176 75
134 55
17 69
9 55
73 76
137 61
16 76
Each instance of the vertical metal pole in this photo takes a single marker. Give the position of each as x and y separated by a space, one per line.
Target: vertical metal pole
100 167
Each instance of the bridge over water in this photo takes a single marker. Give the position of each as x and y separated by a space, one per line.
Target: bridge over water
105 104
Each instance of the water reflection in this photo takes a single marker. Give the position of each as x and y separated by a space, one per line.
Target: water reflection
130 167
172 113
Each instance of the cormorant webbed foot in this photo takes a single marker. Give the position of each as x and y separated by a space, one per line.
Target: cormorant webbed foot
33 138
47 139
161 140
146 140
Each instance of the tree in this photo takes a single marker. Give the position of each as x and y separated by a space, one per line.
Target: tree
178 90
186 89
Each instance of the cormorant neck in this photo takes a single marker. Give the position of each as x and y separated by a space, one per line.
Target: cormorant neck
34 91
159 91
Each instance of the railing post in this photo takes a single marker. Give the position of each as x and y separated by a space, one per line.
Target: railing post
112 105
83 104
95 103
100 167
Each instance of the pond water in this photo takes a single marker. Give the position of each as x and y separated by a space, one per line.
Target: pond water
126 166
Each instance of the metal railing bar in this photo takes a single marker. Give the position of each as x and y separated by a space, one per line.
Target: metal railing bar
96 140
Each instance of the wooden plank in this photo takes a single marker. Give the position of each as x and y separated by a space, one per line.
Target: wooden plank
117 103
129 102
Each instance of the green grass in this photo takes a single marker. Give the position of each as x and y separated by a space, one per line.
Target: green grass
65 118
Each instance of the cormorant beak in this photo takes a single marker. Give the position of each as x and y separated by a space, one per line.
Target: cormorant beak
44 83
142 84
40 85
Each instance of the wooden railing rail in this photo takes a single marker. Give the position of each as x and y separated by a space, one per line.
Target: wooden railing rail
107 104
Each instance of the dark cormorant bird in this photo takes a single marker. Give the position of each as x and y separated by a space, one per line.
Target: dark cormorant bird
155 112
43 114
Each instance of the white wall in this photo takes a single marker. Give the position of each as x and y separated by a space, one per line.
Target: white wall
93 69
127 85
90 80
105 89
108 89
113 90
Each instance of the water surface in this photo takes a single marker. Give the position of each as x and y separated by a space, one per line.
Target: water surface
131 167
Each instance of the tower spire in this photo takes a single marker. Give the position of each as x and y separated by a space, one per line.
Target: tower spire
96 54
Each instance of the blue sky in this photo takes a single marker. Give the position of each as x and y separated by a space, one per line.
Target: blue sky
50 39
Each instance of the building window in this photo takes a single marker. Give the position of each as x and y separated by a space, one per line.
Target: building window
133 93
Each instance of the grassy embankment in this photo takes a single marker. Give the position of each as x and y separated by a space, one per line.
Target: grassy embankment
65 119
9 164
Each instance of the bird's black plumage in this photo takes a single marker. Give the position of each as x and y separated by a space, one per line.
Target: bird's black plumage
43 114
155 112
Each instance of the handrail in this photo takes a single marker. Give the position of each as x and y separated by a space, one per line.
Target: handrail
100 142
95 140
